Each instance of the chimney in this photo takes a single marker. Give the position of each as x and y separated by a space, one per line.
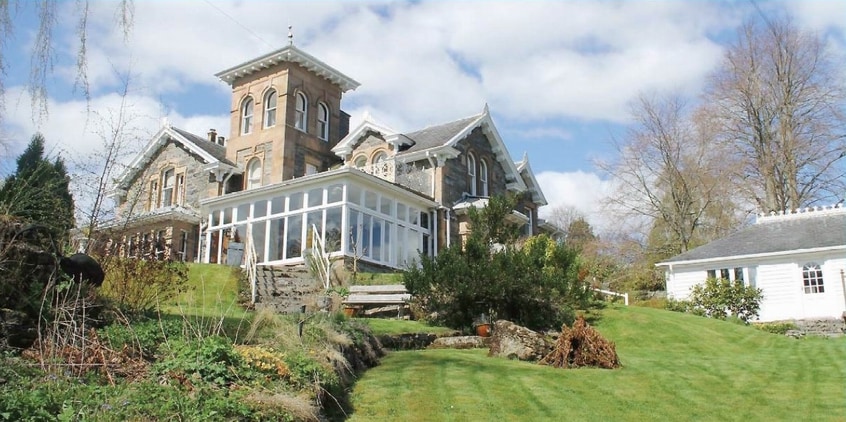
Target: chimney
221 140
212 136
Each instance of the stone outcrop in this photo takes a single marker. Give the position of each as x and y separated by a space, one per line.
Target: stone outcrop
512 341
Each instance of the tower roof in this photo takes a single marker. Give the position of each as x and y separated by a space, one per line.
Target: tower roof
290 54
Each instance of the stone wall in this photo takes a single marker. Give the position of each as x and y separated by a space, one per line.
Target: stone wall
830 327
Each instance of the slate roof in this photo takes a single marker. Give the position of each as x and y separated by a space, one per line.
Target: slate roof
436 136
775 234
217 151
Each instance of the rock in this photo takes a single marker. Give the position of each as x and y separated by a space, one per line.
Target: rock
459 342
512 341
408 341
17 330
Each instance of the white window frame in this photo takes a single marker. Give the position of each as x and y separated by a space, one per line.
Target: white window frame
471 172
301 111
168 187
247 115
483 176
812 278
254 173
323 122
270 102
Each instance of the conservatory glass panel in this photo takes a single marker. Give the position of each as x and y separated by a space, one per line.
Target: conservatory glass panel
243 212
315 197
293 247
260 209
354 194
355 229
277 205
335 193
370 200
333 229
295 201
366 225
377 239
227 215
277 237
385 206
259 239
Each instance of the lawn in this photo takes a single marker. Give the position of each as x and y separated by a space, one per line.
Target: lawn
381 326
676 367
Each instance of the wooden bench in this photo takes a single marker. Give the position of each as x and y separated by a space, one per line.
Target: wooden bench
385 298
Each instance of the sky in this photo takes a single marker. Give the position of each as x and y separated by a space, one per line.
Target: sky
558 76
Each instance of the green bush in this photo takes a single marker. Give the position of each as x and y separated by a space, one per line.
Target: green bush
212 359
720 298
144 336
138 286
536 285
776 327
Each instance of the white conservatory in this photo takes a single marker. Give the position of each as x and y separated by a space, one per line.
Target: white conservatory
344 211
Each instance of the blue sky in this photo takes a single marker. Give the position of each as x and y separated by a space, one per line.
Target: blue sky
558 76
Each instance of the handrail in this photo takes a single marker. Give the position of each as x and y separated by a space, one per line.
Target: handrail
318 252
250 264
625 296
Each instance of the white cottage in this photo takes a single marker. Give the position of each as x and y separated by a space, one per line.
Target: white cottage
797 258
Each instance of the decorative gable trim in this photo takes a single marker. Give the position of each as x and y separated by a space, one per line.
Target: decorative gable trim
290 54
347 145
525 170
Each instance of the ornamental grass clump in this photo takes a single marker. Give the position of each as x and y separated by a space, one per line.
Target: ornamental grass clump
581 346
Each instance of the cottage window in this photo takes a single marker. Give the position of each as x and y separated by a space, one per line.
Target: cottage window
254 173
301 112
270 109
168 183
483 176
153 198
180 189
471 173
812 278
712 274
323 122
247 116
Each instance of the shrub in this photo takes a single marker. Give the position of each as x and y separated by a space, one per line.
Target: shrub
536 285
137 286
720 298
212 359
776 327
144 336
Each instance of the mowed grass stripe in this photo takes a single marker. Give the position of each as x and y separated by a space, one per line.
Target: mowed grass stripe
676 367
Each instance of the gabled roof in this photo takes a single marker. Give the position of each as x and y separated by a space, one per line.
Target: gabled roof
528 175
293 55
776 235
439 140
208 152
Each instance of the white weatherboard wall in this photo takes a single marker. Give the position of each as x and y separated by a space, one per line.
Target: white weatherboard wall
780 278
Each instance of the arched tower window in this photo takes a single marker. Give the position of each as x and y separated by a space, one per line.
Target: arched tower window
323 122
471 173
483 176
247 116
301 112
254 173
270 108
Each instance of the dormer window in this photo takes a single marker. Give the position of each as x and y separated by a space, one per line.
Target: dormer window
471 173
301 112
270 109
254 173
323 122
483 176
247 116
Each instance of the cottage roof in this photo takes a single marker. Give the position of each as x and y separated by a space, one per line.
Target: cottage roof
773 235
206 152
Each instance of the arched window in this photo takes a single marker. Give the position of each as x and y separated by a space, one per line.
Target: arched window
483 176
360 161
254 173
471 173
301 112
379 157
812 278
270 108
247 116
323 122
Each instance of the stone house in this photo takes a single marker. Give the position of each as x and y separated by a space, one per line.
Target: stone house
293 176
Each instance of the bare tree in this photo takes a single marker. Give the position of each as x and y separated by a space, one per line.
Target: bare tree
778 100
562 216
667 172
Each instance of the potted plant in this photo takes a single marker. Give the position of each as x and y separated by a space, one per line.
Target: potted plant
482 326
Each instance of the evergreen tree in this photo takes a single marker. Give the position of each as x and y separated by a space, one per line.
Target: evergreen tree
38 192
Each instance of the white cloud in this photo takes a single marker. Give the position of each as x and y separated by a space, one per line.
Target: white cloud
584 191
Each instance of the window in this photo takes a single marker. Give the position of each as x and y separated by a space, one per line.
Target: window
247 116
168 182
483 176
254 173
323 122
270 109
712 274
153 199
812 278
530 230
380 157
360 161
471 173
310 169
183 248
180 189
301 112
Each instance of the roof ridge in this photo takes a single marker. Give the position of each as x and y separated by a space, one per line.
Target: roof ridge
807 212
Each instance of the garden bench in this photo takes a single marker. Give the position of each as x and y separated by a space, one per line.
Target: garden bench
386 298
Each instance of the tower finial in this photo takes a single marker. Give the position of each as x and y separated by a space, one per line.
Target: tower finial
290 35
